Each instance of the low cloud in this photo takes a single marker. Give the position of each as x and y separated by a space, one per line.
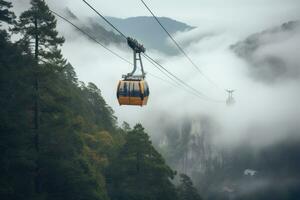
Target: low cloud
273 55
195 36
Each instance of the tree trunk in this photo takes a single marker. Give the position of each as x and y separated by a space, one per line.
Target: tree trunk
36 110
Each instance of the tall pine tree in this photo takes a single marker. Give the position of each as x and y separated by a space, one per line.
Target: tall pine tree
17 160
139 171
5 14
38 26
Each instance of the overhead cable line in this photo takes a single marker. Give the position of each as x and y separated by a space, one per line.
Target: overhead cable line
164 80
178 46
90 37
89 5
162 71
198 93
95 40
178 79
179 84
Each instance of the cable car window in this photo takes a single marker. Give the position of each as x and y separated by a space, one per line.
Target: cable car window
130 89
124 89
136 89
146 89
120 88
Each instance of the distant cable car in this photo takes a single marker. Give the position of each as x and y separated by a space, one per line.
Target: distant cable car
133 89
230 100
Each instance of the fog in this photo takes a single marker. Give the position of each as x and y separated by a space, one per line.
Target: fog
269 108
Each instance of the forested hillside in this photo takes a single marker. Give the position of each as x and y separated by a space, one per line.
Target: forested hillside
58 137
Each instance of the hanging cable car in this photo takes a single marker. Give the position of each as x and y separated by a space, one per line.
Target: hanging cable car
133 89
230 100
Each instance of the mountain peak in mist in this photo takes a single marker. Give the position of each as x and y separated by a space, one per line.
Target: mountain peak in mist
143 28
148 31
267 63
70 14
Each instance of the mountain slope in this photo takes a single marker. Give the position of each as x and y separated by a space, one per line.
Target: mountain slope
244 171
148 31
272 54
144 29
95 29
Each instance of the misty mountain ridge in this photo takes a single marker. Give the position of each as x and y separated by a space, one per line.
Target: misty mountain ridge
143 28
95 29
254 41
241 171
267 63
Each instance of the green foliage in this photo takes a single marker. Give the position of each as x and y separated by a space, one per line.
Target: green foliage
74 139
5 14
139 171
126 127
67 117
37 25
186 190
17 159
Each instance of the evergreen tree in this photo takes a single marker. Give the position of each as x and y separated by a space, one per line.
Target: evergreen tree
100 108
16 148
70 73
69 167
139 171
126 127
66 171
5 14
186 190
37 25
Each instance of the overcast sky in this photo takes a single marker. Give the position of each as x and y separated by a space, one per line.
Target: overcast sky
272 107
195 12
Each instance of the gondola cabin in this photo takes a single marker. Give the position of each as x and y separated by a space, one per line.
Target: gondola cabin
133 92
230 100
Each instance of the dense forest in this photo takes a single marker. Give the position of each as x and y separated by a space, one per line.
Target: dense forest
58 137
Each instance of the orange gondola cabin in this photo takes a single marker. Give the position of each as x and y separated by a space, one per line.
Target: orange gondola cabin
133 89
133 92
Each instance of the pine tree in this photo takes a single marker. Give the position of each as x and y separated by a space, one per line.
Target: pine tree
37 26
17 158
103 113
70 73
126 127
186 190
5 14
139 171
